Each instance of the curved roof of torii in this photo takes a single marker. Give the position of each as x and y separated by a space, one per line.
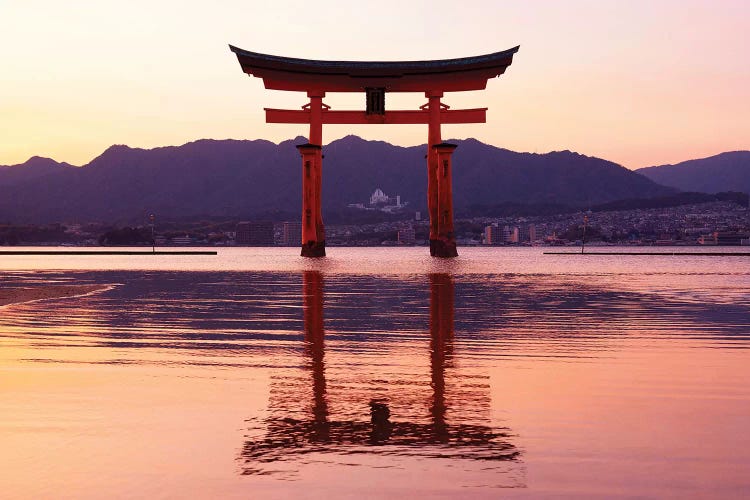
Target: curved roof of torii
288 73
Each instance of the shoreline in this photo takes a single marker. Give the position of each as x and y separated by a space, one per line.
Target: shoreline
107 252
10 296
674 254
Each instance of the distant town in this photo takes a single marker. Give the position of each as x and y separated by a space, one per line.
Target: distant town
712 223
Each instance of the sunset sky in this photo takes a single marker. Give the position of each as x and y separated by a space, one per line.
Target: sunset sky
638 82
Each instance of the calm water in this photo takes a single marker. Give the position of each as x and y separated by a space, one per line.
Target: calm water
377 373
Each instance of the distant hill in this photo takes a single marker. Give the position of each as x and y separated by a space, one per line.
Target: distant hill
724 172
34 168
247 178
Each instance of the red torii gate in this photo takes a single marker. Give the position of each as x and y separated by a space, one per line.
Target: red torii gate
434 78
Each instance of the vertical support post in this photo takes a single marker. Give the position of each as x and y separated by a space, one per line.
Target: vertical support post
152 220
433 137
585 222
445 245
316 117
313 233
313 230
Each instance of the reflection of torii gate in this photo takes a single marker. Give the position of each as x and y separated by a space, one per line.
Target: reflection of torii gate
375 79
287 436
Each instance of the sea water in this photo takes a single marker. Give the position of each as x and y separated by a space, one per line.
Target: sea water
377 373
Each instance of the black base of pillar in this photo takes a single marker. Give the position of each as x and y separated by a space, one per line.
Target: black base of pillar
314 249
443 249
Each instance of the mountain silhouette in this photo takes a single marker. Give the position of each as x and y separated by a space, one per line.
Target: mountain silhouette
243 178
34 168
724 172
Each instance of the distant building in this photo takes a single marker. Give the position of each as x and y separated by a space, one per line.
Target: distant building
381 201
708 239
291 233
417 215
493 235
181 240
528 233
406 236
730 237
379 198
506 234
255 233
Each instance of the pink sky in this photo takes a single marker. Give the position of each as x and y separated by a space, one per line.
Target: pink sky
639 82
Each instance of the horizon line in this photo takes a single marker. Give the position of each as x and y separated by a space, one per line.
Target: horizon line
203 139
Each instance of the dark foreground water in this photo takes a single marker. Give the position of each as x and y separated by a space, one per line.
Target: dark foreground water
377 373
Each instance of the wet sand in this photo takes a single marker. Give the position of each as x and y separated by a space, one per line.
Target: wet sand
16 295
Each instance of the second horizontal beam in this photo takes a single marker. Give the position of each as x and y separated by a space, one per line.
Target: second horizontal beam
449 116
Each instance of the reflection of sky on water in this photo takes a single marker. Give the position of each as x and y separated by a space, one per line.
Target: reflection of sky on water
497 315
419 345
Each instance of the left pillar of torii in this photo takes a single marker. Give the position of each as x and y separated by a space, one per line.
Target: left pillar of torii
313 231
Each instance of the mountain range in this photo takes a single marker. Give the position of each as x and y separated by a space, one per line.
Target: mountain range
724 172
248 178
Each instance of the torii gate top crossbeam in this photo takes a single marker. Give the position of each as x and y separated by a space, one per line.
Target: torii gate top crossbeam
446 75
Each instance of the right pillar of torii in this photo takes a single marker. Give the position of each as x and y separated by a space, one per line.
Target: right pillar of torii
313 230
439 184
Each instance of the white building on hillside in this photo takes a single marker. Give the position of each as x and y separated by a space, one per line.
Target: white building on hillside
379 197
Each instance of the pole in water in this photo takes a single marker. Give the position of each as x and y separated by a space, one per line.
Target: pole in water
583 240
152 218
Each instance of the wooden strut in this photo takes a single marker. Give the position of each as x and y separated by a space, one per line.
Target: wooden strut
403 117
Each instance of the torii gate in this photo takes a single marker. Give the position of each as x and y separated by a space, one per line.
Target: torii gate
375 79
